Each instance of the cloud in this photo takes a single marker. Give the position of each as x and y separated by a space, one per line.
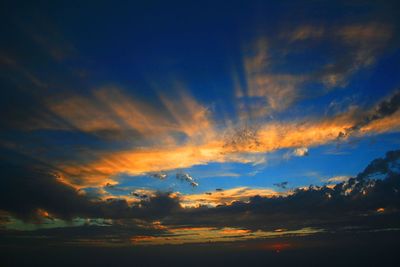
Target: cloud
127 134
388 166
242 138
187 178
367 39
375 117
158 175
190 235
266 91
297 152
30 189
282 185
246 144
224 197
269 90
141 194
174 131
72 141
352 202
301 152
305 32
338 179
362 44
360 201
110 112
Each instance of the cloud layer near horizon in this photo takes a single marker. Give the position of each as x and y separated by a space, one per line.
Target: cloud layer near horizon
364 202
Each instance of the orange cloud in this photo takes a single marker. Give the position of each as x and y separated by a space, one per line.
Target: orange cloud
111 113
232 231
224 197
189 235
213 148
386 124
267 91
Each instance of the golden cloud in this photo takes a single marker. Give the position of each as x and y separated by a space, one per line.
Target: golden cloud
190 235
213 148
225 197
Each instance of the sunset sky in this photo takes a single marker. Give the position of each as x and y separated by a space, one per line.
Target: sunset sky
162 126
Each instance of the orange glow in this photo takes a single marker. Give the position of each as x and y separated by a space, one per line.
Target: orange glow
271 137
43 214
225 197
158 225
381 210
386 124
192 229
234 231
204 141
192 235
142 238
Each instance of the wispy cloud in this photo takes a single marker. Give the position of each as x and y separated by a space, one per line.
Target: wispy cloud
305 32
269 137
190 235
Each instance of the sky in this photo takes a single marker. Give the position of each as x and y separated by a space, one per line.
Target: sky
251 128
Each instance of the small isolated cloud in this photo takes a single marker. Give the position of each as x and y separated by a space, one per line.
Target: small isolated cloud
186 177
300 152
338 179
158 175
297 152
282 185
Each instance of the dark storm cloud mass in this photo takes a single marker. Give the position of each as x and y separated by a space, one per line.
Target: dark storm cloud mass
29 185
360 201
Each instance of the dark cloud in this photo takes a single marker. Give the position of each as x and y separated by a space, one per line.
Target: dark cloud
29 185
108 185
360 201
138 195
282 185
